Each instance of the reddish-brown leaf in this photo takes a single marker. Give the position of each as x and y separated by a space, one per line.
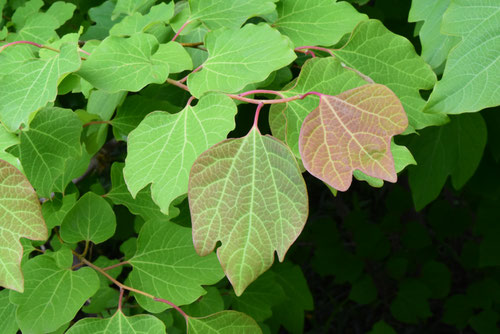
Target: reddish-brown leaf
350 131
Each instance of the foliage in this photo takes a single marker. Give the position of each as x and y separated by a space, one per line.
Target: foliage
154 132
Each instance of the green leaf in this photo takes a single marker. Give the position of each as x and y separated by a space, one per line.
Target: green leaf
236 58
132 63
207 304
454 149
52 140
228 14
8 139
8 325
457 311
101 15
226 322
119 324
162 149
30 84
142 205
21 218
485 322
316 22
469 81
363 291
254 181
435 45
137 22
391 60
382 327
52 295
90 219
437 276
324 75
339 137
260 297
411 305
129 7
166 266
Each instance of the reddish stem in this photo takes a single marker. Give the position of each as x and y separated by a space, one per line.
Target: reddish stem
120 299
181 29
83 51
319 48
194 71
189 101
261 91
257 113
177 308
115 265
41 46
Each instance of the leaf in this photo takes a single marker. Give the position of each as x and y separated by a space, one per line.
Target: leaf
381 327
316 22
21 218
52 140
54 210
90 219
469 81
132 63
411 305
452 150
324 75
162 149
8 325
101 15
260 297
351 131
457 311
485 322
52 295
235 58
391 60
435 45
207 304
119 323
437 276
8 139
249 194
137 22
30 84
129 7
363 291
166 266
226 322
228 14
142 205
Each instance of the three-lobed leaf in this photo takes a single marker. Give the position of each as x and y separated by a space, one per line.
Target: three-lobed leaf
350 131
21 218
249 194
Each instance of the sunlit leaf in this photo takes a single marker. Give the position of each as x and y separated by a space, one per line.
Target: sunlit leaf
91 219
235 58
316 22
162 149
21 218
391 60
52 295
352 131
119 324
166 266
226 322
139 23
249 194
129 7
470 79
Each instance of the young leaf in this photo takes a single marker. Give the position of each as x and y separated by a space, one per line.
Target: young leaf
469 82
90 219
228 14
139 23
52 295
21 218
166 266
316 22
324 75
248 193
29 85
236 58
162 149
226 322
435 45
453 149
131 63
52 140
119 324
391 60
352 131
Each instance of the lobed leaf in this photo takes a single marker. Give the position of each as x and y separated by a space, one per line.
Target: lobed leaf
162 149
137 22
249 194
21 218
352 131
316 22
166 266
119 323
235 58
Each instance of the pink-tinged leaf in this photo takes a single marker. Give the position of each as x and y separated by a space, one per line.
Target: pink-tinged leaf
21 217
249 194
352 131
